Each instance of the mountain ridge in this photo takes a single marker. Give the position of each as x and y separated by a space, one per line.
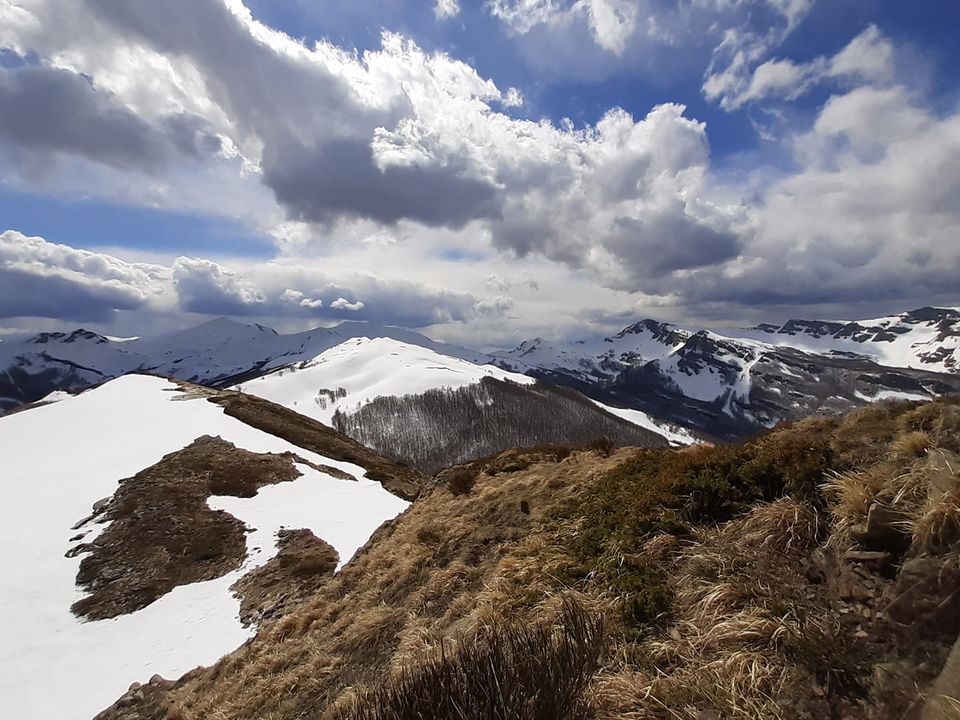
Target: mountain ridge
723 385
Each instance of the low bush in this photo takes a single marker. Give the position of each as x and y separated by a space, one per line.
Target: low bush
657 493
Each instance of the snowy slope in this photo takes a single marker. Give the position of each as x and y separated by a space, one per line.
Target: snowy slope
925 339
595 358
61 458
674 434
367 368
217 352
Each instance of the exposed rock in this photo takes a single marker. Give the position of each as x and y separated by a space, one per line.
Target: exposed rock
158 681
943 472
927 595
943 698
883 530
873 559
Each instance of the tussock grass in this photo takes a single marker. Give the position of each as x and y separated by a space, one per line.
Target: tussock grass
504 672
786 523
936 528
911 445
850 495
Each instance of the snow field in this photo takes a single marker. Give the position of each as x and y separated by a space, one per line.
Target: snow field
57 461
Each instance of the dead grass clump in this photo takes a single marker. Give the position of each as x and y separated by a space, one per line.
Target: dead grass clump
911 445
850 495
863 431
785 524
937 528
742 633
506 672
939 420
602 446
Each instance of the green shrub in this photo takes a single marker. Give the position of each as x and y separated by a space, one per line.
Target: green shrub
605 526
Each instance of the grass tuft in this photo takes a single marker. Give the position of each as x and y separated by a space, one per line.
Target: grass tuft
504 672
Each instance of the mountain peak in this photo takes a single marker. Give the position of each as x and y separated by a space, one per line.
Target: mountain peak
79 334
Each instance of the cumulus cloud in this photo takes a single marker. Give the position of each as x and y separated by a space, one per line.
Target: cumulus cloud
406 135
344 304
403 143
204 286
873 214
297 298
43 279
281 290
50 110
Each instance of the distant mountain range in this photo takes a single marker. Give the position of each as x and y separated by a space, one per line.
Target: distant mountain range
736 383
656 375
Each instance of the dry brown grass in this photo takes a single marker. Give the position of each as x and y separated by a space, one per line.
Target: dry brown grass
429 575
729 531
738 639
911 445
936 528
850 495
786 523
506 671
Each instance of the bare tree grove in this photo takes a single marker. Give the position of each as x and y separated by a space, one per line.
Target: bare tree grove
446 426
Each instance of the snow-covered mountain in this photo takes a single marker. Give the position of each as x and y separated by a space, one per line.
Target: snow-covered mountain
217 353
925 339
737 383
361 369
722 384
95 610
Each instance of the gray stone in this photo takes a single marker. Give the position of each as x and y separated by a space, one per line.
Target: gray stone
943 694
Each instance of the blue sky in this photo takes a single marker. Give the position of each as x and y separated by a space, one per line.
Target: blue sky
486 170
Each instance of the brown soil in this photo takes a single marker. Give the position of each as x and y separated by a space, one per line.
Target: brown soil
402 481
302 564
163 534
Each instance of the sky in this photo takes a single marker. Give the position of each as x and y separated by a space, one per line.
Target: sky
486 171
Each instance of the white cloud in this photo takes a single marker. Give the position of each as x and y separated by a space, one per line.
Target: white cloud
344 304
205 286
869 57
513 98
873 214
446 9
414 170
409 135
611 22
297 298
43 279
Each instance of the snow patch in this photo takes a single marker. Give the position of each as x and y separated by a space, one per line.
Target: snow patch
674 434
58 460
